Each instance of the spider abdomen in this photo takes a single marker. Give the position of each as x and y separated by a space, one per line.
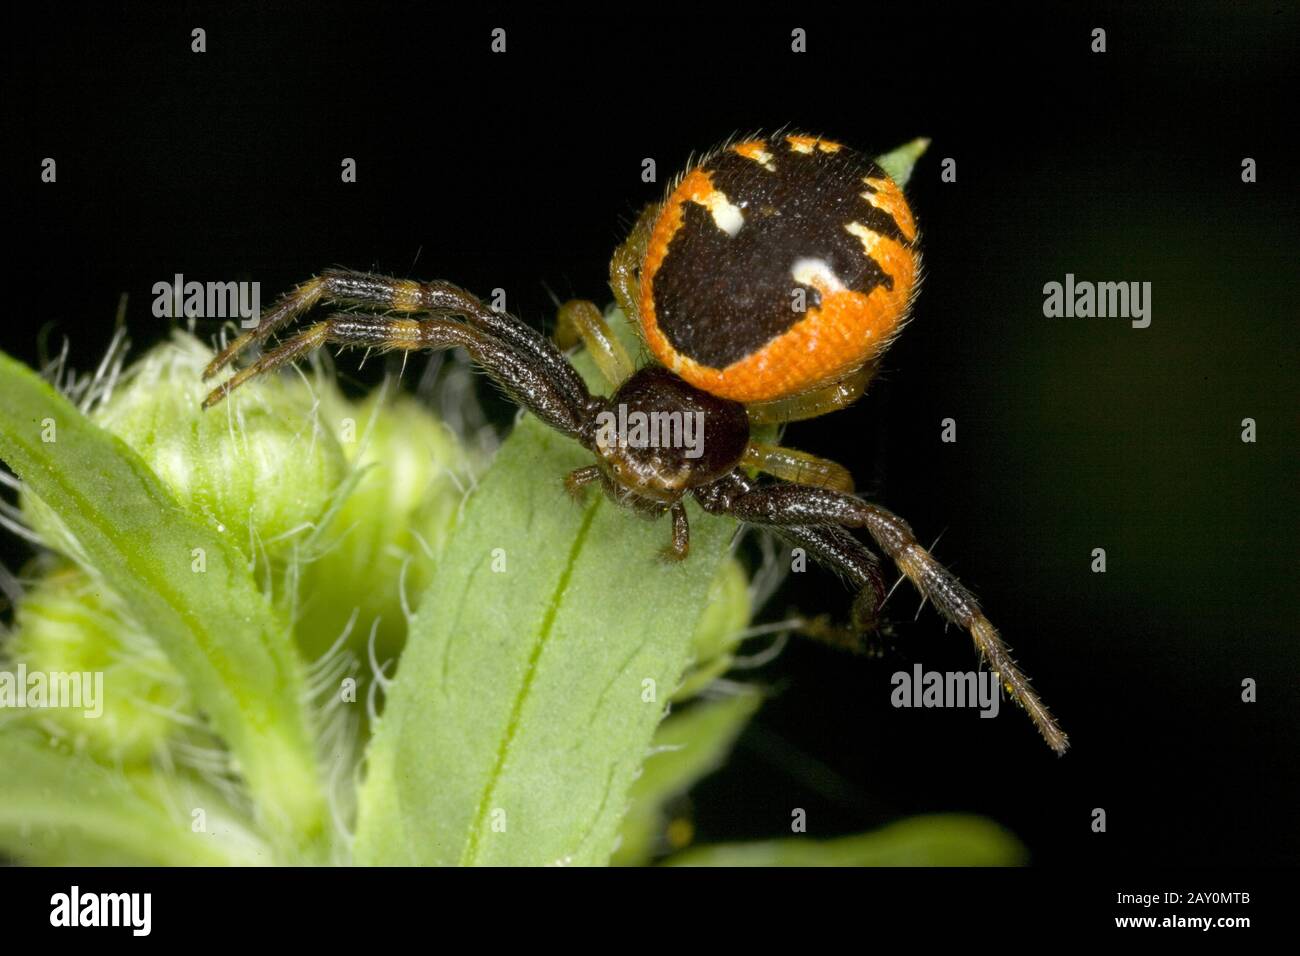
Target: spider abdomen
777 266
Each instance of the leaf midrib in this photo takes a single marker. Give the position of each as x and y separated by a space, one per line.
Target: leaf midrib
530 672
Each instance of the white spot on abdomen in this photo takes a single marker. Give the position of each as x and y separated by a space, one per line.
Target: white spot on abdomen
816 273
868 237
726 215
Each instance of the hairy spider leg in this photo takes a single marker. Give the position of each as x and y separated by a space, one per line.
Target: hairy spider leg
519 374
362 289
800 505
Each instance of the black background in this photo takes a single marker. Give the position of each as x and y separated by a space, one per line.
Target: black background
523 171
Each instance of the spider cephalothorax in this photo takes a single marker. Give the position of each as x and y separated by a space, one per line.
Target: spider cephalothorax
660 437
774 274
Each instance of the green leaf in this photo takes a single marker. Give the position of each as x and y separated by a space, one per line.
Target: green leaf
719 630
900 162
215 626
536 669
688 746
58 808
938 840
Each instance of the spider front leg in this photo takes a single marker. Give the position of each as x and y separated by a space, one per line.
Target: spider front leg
519 373
787 505
367 290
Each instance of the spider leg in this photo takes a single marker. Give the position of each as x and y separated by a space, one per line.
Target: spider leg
801 505
579 319
625 266
790 464
811 404
519 373
833 547
576 481
362 289
680 546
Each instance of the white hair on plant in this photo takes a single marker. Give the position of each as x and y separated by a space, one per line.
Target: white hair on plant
771 571
337 728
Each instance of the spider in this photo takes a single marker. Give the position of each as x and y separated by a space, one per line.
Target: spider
766 286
